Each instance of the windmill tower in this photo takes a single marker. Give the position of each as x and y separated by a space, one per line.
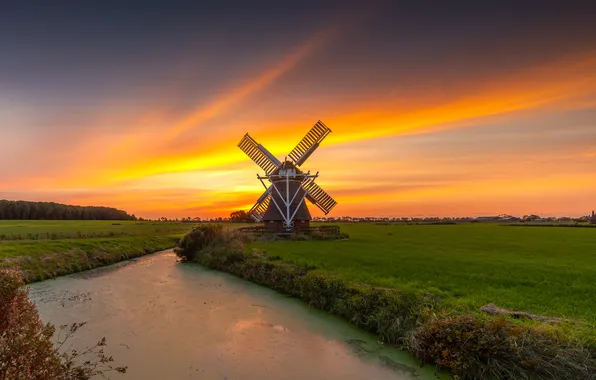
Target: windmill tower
282 207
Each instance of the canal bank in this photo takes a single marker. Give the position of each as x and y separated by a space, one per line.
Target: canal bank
38 260
469 344
163 320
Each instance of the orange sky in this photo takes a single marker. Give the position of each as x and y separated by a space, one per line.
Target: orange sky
467 134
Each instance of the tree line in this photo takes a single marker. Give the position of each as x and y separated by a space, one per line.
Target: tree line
24 210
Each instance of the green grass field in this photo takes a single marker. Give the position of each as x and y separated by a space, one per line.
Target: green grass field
44 249
38 237
34 248
72 229
550 271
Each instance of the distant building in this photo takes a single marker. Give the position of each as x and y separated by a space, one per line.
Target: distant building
498 218
593 218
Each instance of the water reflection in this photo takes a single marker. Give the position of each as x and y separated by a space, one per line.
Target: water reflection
167 320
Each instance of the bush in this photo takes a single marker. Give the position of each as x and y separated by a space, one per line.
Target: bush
475 348
26 349
210 235
197 239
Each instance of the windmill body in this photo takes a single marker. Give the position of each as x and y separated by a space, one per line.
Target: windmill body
282 206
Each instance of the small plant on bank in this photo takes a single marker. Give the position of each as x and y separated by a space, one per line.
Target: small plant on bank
26 349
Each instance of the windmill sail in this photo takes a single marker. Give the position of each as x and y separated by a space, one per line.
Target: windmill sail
282 206
319 197
309 143
259 154
258 210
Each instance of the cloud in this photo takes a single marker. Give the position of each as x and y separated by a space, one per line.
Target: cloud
545 89
487 141
222 104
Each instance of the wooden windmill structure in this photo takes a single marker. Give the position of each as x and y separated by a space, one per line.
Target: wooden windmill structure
281 207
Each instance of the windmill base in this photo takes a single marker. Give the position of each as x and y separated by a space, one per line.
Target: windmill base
278 226
316 233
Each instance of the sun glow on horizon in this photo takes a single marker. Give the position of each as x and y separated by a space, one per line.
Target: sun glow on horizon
506 133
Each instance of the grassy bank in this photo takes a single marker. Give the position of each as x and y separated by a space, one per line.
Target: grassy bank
547 271
41 260
422 319
43 249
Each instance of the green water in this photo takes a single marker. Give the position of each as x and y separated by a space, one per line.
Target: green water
167 320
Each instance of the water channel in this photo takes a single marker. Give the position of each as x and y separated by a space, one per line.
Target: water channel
167 320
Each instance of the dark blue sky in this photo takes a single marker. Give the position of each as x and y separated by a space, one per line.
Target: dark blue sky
73 44
74 53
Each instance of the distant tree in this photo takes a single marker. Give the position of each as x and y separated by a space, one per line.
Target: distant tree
530 218
239 216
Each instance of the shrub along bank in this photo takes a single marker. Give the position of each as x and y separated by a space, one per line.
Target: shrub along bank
469 346
27 350
41 260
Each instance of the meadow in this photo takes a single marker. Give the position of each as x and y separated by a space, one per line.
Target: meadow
73 229
549 271
43 249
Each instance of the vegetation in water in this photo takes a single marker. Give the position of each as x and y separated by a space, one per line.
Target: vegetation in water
471 345
26 348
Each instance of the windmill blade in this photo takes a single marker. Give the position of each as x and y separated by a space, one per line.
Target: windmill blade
258 210
259 154
319 197
309 143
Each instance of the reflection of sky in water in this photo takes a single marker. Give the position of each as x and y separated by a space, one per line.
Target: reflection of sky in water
169 320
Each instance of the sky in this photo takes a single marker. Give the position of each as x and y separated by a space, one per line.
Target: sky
436 108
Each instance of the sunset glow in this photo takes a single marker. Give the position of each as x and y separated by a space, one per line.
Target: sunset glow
434 124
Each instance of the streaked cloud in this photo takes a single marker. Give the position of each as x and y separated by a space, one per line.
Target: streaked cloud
457 134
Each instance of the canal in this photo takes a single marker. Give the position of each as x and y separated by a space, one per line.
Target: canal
167 320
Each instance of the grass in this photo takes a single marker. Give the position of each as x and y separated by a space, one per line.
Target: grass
546 271
43 249
64 229
39 260
125 244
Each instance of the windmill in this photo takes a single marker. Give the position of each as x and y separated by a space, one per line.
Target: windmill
282 207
